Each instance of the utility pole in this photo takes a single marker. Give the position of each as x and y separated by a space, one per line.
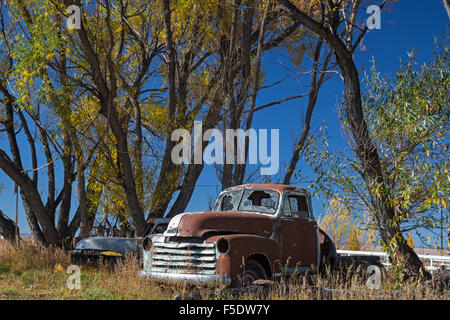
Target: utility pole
16 230
442 232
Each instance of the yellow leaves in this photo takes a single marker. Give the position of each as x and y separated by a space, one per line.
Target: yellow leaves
305 5
156 115
353 240
50 56
84 113
25 74
345 231
410 240
117 31
195 15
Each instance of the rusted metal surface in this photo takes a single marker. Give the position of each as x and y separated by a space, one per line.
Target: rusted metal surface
243 246
196 225
299 244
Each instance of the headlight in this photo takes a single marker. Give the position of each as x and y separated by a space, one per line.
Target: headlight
223 246
147 244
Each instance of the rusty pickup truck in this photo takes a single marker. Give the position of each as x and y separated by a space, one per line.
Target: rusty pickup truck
259 231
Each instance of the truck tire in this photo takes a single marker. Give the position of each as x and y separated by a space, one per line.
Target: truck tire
250 272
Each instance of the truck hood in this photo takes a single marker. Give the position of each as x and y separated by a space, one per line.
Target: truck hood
197 224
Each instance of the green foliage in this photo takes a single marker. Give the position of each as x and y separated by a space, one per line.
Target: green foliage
409 122
408 118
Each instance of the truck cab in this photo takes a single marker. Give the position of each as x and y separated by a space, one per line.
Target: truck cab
259 231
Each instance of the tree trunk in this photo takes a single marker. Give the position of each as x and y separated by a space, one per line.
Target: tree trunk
64 209
32 196
373 172
313 94
82 199
36 232
126 169
447 7
108 110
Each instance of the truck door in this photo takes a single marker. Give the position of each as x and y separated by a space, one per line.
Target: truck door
298 233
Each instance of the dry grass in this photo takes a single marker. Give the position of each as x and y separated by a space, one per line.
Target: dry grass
28 273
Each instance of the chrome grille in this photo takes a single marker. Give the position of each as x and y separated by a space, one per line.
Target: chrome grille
198 258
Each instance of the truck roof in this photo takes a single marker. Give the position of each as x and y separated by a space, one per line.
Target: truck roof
278 187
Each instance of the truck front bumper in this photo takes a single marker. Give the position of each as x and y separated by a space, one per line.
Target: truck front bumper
191 278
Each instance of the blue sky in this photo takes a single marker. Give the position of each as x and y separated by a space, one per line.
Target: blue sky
406 25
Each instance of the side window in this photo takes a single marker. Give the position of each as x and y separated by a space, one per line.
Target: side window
287 208
228 201
296 206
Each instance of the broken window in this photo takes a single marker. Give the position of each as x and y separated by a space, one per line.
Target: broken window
229 201
264 201
259 201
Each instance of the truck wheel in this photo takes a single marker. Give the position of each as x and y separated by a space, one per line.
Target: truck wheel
250 272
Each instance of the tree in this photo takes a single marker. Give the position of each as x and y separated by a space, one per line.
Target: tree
347 231
39 216
371 168
37 90
447 7
408 121
233 85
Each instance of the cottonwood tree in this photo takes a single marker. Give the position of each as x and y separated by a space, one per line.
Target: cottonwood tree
193 80
46 101
132 46
408 122
325 24
253 29
346 231
235 47
235 40
108 49
14 167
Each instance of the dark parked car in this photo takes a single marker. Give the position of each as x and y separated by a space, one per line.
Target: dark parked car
107 250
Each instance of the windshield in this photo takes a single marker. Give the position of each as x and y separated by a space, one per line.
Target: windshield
263 201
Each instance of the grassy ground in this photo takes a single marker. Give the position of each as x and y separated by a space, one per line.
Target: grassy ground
28 273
